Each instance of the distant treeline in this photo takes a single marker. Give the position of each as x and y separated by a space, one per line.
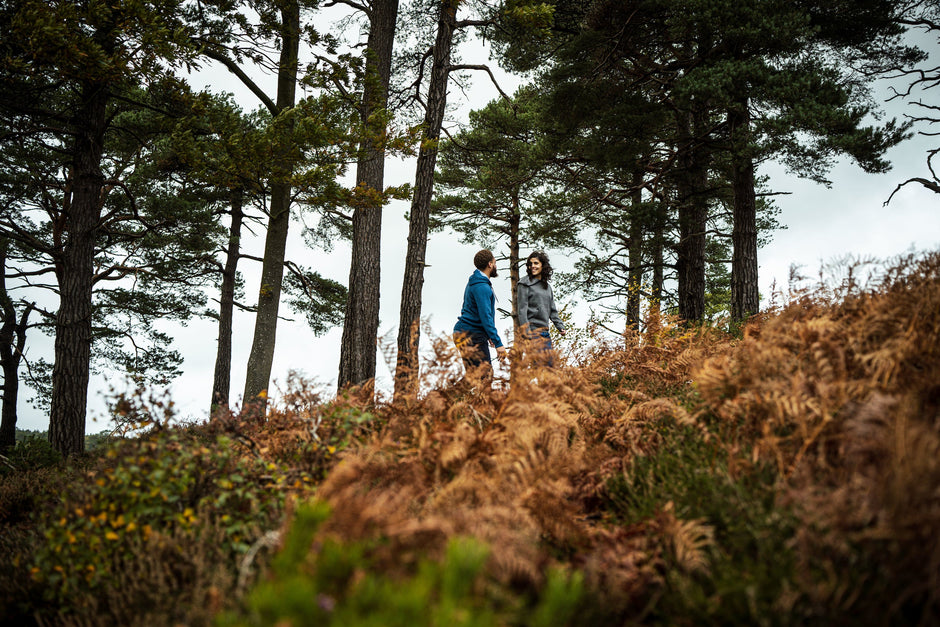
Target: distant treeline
92 440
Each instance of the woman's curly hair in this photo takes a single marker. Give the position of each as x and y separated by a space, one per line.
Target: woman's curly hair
546 266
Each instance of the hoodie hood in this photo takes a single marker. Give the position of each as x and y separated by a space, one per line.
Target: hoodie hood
478 277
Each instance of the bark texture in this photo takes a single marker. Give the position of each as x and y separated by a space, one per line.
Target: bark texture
12 343
222 380
261 358
360 327
693 215
635 252
745 293
406 370
515 263
74 269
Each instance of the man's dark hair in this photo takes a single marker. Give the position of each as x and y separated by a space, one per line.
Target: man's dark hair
482 259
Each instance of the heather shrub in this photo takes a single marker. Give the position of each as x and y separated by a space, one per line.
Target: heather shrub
161 498
32 452
725 541
838 390
22 493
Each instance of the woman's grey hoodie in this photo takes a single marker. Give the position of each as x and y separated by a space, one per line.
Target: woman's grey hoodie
536 305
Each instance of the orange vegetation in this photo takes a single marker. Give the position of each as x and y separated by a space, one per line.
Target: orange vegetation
841 395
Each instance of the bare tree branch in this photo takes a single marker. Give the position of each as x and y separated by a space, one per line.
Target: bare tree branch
235 69
484 68
931 185
355 5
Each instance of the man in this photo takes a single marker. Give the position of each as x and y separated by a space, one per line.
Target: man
476 326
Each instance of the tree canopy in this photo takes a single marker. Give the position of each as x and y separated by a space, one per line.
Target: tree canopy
635 145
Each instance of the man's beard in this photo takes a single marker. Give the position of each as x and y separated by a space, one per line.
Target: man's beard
495 274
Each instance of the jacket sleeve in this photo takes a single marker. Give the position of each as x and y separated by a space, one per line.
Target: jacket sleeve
483 297
553 313
522 305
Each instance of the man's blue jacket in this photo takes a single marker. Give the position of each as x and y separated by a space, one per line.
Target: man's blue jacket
478 313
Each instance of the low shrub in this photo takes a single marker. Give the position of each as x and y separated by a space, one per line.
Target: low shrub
30 453
319 580
308 435
726 541
838 390
165 500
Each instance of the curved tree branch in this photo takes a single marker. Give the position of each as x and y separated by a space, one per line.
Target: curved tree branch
484 68
235 69
933 186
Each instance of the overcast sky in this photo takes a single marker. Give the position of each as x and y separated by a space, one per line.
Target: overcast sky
823 224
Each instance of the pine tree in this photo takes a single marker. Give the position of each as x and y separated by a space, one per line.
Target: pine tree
490 186
361 323
64 66
754 80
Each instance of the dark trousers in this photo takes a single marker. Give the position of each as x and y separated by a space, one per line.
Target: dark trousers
544 348
540 350
474 350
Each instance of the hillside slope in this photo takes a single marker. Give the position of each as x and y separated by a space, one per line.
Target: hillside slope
786 475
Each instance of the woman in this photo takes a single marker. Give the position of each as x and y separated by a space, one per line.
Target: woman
536 304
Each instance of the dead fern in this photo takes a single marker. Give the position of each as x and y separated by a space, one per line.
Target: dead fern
686 540
839 390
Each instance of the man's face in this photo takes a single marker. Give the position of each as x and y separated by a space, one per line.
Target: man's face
493 269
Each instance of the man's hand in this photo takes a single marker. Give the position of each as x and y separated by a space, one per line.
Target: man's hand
501 352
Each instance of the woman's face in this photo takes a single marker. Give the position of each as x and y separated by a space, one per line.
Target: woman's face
534 266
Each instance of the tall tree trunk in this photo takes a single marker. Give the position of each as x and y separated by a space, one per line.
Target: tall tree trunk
514 258
261 358
406 370
12 342
361 324
221 382
658 261
657 256
74 268
635 273
11 378
693 214
745 293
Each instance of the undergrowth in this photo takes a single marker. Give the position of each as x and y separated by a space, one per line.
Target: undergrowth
728 558
329 582
786 473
